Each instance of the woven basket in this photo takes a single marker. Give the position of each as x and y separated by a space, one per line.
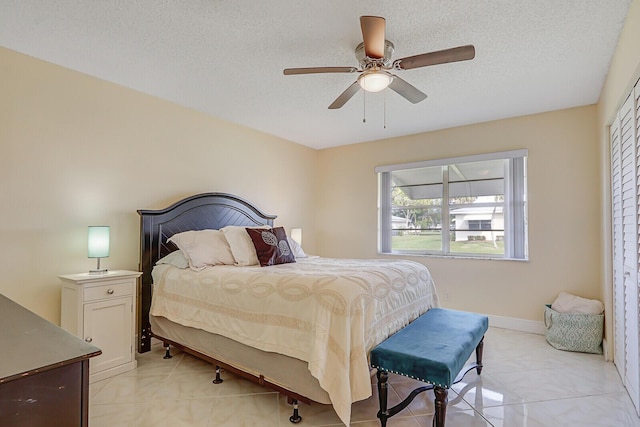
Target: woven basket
574 331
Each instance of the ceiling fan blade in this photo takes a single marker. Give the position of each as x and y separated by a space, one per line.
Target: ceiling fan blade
373 28
316 70
345 96
406 90
460 53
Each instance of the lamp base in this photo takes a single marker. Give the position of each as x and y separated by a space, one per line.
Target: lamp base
98 270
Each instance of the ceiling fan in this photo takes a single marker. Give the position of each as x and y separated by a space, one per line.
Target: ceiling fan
374 56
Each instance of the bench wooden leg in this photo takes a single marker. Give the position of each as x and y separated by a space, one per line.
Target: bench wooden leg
441 406
383 390
479 349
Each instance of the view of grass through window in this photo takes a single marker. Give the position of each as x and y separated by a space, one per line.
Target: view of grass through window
430 241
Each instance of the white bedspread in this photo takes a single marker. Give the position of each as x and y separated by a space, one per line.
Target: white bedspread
327 312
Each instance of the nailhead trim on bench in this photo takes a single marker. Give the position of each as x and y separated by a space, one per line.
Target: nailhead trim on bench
410 376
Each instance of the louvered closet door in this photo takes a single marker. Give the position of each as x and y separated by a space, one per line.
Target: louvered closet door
625 167
618 264
632 288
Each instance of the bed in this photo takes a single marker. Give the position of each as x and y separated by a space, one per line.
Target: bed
303 328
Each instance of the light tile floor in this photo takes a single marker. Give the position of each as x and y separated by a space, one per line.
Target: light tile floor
525 383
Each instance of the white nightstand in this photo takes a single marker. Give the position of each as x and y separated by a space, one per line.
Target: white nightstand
100 309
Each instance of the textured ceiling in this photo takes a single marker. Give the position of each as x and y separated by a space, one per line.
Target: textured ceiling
226 58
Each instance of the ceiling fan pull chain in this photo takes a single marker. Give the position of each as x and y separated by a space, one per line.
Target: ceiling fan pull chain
384 109
364 106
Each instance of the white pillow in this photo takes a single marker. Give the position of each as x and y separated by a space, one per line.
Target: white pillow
296 248
175 258
241 244
203 248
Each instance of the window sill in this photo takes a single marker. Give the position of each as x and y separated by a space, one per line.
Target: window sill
458 256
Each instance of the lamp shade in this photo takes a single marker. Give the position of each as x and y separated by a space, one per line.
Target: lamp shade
98 241
296 234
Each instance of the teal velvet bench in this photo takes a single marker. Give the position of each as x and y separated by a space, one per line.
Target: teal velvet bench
433 349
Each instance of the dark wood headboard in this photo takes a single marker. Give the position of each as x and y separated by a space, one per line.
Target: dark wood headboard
199 212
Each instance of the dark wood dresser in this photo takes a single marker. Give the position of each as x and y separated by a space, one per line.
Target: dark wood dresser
44 371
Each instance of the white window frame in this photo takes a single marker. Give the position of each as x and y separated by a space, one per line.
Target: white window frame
514 210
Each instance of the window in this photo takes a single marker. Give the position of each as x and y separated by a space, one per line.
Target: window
471 206
479 224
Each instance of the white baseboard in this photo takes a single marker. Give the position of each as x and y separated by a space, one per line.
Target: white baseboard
522 325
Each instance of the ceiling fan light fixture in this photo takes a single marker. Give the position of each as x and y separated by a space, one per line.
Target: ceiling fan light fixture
374 80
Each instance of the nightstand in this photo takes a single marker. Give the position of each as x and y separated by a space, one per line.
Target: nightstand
100 309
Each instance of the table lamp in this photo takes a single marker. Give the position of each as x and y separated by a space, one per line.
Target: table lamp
296 234
98 245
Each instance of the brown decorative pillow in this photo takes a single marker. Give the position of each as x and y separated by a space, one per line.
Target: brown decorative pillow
271 246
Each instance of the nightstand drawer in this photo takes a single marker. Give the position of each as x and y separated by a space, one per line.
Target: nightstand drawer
107 291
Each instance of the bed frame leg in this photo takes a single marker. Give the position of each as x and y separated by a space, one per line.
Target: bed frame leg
295 418
167 351
217 380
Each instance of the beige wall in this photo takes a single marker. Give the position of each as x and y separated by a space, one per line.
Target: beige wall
564 209
76 151
623 74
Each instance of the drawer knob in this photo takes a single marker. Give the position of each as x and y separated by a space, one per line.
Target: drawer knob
88 339
110 291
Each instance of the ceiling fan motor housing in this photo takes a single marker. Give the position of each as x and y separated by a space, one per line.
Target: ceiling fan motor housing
366 62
